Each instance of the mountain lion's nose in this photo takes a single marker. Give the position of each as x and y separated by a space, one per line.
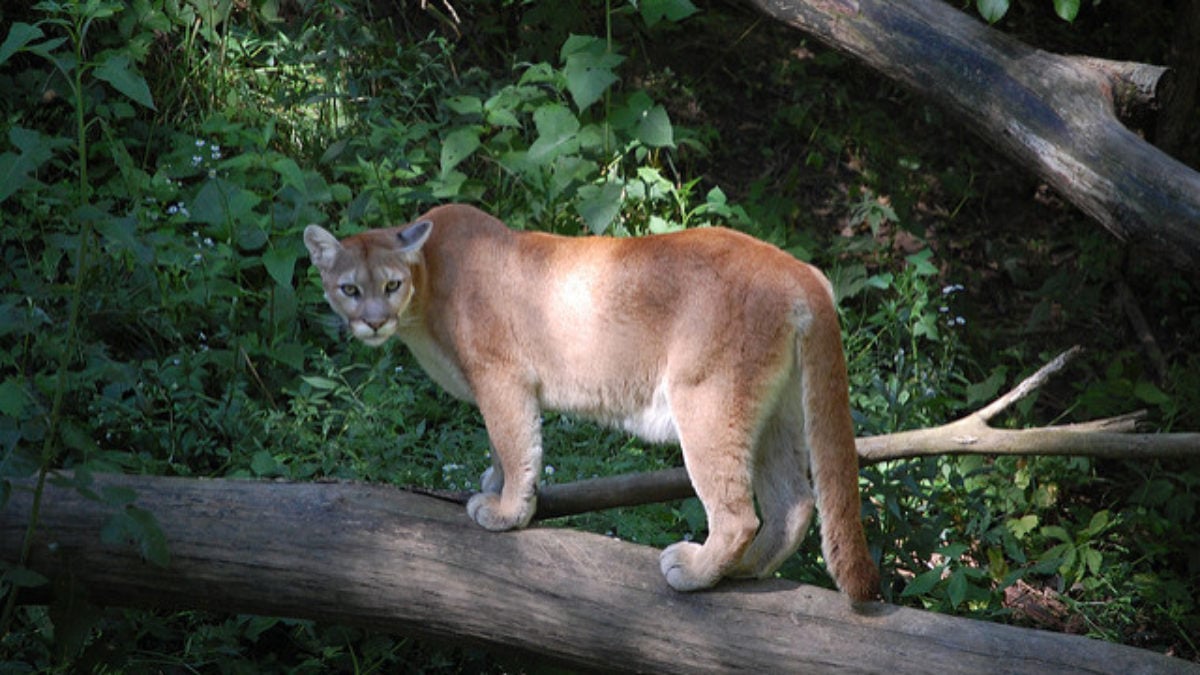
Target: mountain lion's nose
375 325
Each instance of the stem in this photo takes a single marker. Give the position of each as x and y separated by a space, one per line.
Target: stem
50 444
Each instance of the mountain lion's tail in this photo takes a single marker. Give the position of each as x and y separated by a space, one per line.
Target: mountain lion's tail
829 433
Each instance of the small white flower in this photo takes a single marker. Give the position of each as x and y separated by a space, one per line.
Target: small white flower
196 160
549 470
199 142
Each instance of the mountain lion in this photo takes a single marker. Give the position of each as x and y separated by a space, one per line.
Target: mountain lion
705 337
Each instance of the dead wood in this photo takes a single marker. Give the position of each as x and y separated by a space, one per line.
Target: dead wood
389 560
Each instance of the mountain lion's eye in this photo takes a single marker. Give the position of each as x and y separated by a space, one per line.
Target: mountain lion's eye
391 286
349 290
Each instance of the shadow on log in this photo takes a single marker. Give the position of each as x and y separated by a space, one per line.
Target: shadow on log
390 560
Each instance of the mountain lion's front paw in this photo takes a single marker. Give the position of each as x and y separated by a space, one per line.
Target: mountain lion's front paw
679 563
486 508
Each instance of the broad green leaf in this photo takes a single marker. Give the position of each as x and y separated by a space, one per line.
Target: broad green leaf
599 205
920 262
654 129
23 577
465 105
317 382
457 146
956 589
986 390
588 68
923 582
219 202
263 464
992 10
1022 526
151 541
290 172
35 150
14 400
1066 9
1148 393
556 127
280 262
654 11
123 75
19 35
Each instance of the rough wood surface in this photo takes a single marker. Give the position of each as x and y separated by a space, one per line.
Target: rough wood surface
395 561
1050 113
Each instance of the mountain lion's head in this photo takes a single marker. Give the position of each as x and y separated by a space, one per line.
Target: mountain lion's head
368 277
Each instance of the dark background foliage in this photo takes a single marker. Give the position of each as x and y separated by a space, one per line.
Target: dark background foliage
158 315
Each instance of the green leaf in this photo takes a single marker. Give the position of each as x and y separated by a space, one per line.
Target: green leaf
556 127
956 589
654 11
654 129
457 146
219 202
35 150
14 399
290 172
1022 526
152 542
280 262
263 464
992 10
986 390
923 582
135 526
588 68
465 105
319 382
123 75
19 35
920 262
1066 9
599 205
1148 393
23 577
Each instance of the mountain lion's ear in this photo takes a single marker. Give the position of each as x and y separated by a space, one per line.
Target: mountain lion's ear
322 246
414 236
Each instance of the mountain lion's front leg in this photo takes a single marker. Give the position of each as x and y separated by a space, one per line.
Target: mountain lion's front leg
513 422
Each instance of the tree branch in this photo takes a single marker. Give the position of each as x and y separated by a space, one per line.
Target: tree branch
1109 438
1053 114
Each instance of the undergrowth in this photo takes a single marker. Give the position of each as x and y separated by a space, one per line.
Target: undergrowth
158 315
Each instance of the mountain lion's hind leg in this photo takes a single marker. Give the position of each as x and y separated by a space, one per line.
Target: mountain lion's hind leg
716 451
509 496
785 496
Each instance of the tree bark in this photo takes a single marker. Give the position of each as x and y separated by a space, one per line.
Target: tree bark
1052 114
385 559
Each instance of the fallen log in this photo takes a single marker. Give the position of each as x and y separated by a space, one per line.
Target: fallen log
386 559
1052 114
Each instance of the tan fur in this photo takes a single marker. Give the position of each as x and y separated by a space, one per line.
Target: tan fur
707 337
